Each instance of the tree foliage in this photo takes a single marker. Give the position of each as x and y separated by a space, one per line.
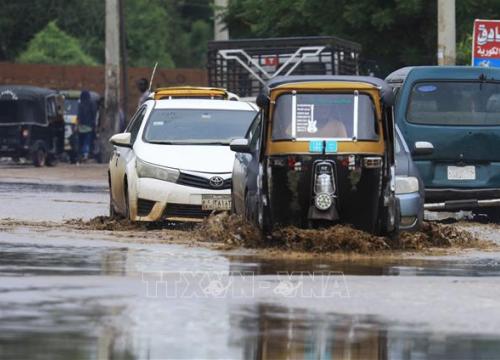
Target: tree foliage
148 36
172 32
53 46
393 33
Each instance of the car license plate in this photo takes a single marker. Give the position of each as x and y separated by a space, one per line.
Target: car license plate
216 202
461 173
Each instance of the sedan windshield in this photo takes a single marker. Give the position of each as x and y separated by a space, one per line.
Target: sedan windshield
197 126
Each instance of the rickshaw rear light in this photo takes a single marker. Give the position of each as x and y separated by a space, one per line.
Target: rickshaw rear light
374 162
324 184
323 178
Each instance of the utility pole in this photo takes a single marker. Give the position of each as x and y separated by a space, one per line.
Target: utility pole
124 58
446 52
111 121
221 31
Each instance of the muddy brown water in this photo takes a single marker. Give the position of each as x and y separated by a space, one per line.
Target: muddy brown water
81 289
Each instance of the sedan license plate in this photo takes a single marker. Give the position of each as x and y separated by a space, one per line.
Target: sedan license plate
461 173
216 202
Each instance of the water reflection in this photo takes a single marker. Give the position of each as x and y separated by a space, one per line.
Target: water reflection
394 267
27 259
273 332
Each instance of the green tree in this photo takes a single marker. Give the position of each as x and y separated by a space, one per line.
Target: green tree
148 36
393 33
53 46
173 32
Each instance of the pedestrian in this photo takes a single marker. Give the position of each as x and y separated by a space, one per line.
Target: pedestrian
143 86
87 113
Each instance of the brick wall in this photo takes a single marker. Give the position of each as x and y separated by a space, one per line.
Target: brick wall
92 78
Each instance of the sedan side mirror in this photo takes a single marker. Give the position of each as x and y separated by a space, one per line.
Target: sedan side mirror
240 145
121 139
423 148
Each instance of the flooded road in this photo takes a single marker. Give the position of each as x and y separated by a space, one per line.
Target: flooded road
67 294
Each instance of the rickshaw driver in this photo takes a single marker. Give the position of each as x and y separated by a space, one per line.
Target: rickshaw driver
329 125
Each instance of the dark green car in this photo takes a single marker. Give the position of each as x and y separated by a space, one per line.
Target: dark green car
450 118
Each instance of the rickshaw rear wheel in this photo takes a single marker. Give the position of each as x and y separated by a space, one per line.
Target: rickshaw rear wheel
39 157
52 160
263 219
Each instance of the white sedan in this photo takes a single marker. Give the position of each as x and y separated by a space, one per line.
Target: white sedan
173 161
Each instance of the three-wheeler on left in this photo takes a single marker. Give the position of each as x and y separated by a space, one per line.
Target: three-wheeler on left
321 152
31 124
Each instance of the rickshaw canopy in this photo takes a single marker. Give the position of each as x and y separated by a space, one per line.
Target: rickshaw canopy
24 104
334 81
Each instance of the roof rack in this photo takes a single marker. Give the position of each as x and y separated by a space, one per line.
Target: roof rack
244 66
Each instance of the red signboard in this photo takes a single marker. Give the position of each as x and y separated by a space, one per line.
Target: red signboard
486 43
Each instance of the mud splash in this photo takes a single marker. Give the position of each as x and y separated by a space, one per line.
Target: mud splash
106 223
233 231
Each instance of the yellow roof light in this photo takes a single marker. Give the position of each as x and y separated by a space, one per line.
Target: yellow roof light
190 91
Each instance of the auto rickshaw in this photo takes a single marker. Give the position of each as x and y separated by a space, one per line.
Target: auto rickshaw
320 153
193 92
31 124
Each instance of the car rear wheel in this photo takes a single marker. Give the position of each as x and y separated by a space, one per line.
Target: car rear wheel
127 203
249 216
233 206
112 212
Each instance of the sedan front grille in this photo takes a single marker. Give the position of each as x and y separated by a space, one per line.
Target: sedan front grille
201 182
184 210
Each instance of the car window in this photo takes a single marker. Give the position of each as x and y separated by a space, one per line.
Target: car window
398 146
454 103
253 126
135 124
254 140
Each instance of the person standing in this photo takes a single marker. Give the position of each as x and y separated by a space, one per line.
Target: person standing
87 113
143 86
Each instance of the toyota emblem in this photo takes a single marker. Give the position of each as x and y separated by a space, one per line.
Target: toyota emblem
216 182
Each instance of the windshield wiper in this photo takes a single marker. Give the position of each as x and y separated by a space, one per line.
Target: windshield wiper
189 142
162 142
213 143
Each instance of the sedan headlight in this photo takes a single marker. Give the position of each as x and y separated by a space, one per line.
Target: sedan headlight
406 184
147 170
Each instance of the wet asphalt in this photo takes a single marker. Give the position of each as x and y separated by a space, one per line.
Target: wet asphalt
69 295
